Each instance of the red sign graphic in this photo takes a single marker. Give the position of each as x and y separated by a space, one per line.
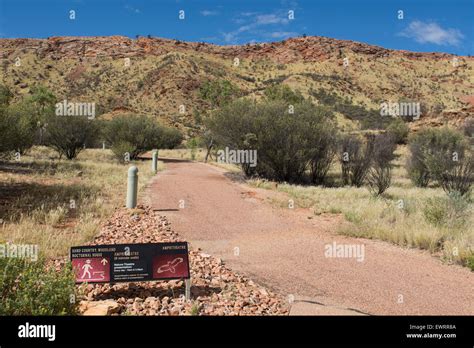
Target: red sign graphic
170 266
94 269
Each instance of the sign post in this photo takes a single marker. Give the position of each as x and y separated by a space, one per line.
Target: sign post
187 292
131 263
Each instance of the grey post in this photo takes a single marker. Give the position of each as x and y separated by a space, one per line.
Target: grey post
132 187
154 162
187 291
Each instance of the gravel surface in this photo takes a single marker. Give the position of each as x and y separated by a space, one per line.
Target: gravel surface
216 290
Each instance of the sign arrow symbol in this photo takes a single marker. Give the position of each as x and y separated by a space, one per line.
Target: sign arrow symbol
104 261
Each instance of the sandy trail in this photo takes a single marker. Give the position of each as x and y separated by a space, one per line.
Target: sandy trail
284 250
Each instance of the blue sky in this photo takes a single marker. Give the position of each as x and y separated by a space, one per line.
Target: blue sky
427 25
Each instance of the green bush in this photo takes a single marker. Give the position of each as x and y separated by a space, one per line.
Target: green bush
379 176
218 92
445 147
399 130
324 148
29 288
170 138
468 128
283 93
17 124
285 142
192 144
452 211
138 134
443 155
121 148
18 133
459 177
432 153
355 159
368 118
69 134
5 95
470 262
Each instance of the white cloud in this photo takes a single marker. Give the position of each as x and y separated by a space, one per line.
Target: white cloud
282 34
431 32
248 14
253 24
206 13
271 19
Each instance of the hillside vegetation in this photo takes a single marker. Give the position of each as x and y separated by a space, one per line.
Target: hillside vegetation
164 78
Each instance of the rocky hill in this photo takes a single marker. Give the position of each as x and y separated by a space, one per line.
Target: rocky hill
162 77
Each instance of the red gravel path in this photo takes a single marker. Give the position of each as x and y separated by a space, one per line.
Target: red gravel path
283 250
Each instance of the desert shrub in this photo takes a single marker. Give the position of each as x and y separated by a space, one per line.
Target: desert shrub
5 95
355 159
284 141
445 148
192 144
138 134
8 131
379 176
399 130
18 123
459 176
121 149
283 93
470 262
218 92
432 153
170 138
324 149
43 101
29 288
26 125
17 127
379 179
69 134
368 118
468 127
452 211
416 167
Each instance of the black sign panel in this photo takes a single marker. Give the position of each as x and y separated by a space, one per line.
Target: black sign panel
130 262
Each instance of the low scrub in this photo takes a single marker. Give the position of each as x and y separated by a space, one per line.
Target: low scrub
289 138
379 176
452 211
355 159
17 127
134 135
399 130
442 155
30 288
69 135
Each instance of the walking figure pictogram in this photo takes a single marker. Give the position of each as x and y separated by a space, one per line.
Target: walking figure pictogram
86 267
